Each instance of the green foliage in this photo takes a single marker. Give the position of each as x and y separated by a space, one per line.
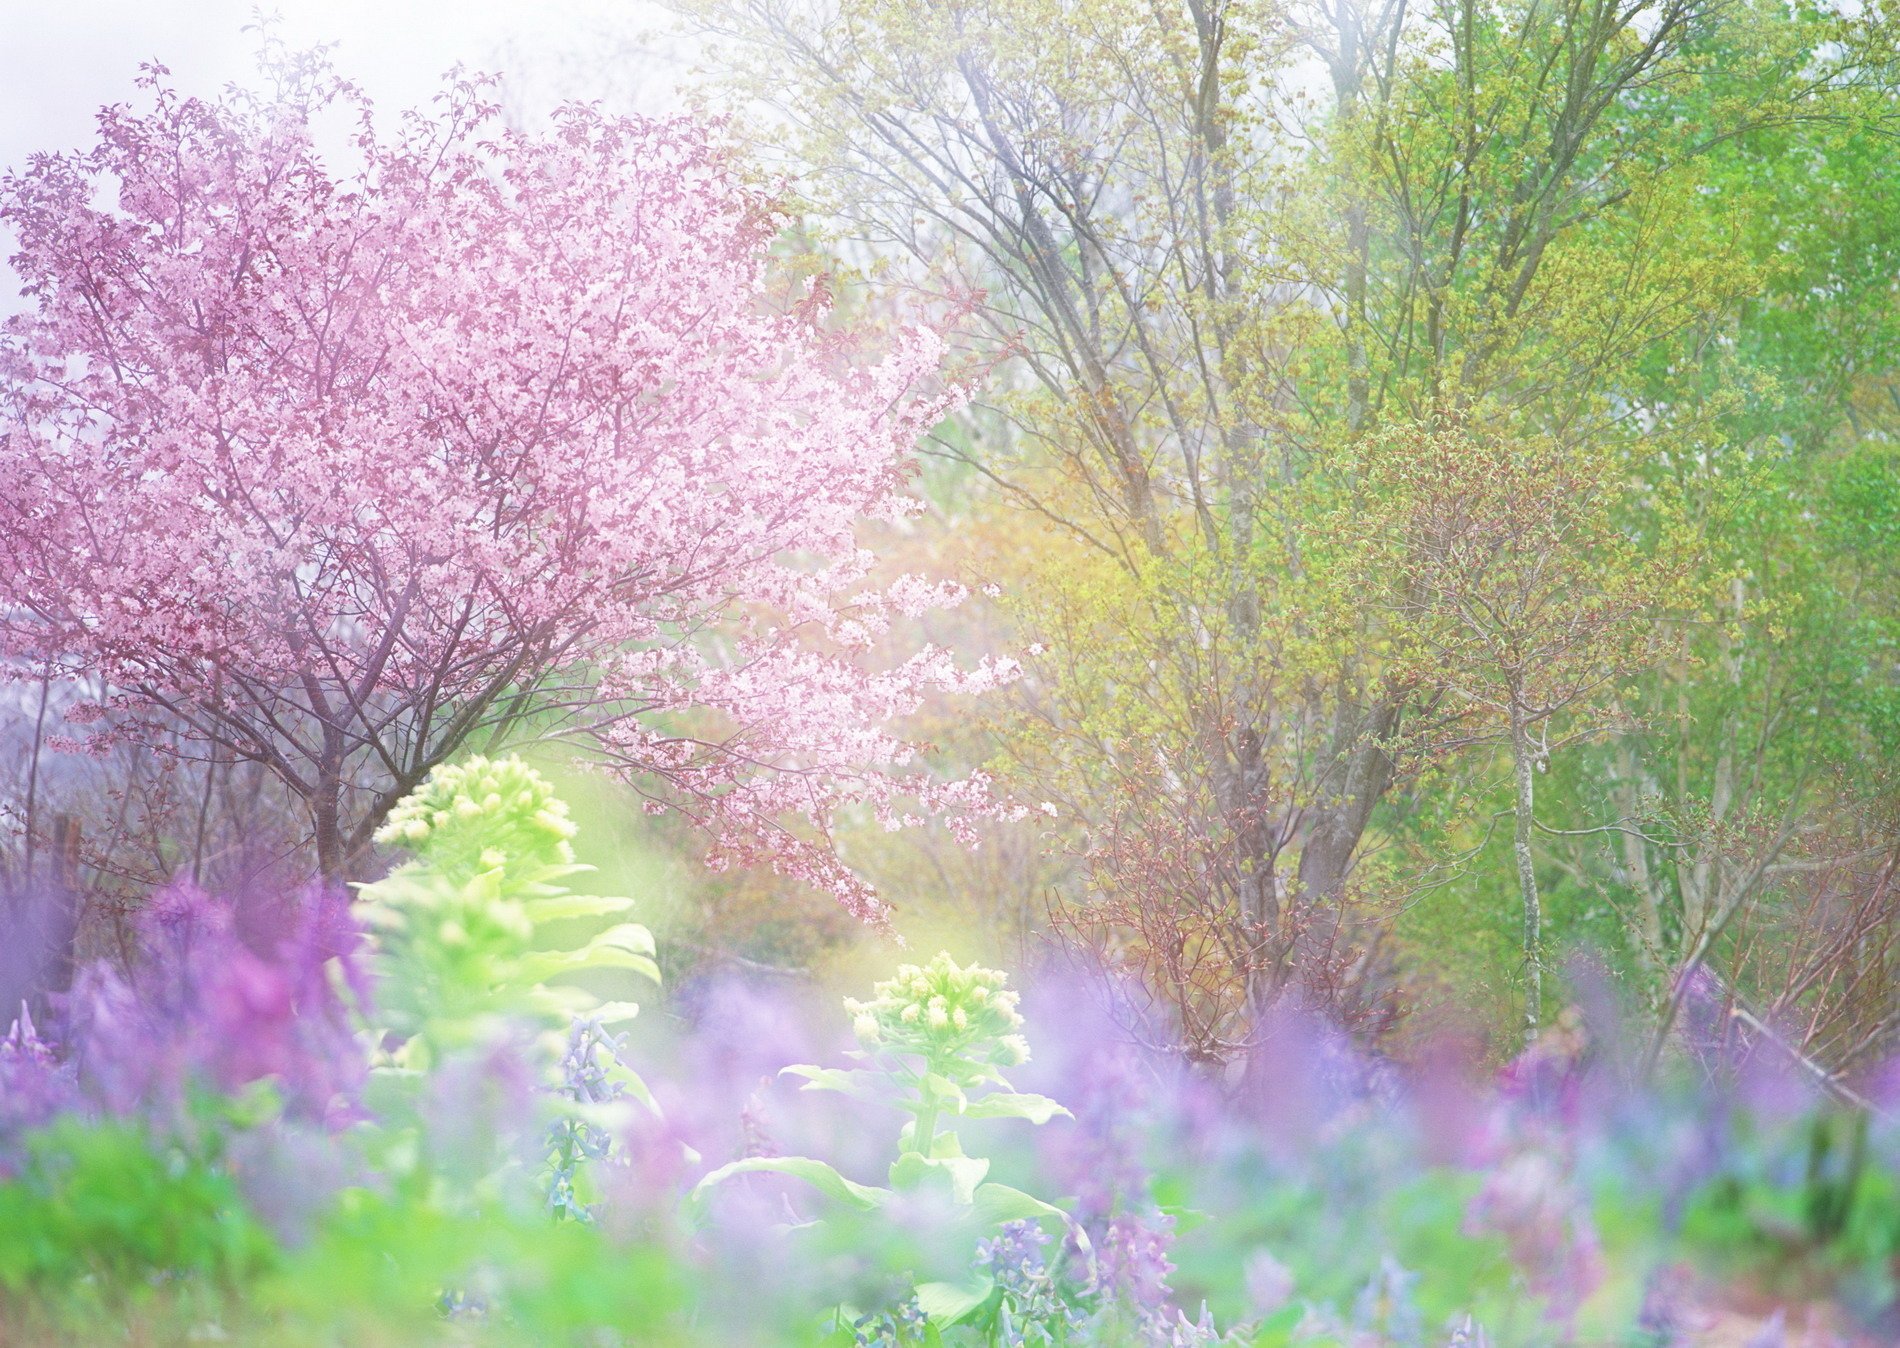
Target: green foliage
376 1271
468 936
1831 1223
469 931
100 1218
937 1036
1334 1226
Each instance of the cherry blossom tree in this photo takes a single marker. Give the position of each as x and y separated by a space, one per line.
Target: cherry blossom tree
489 434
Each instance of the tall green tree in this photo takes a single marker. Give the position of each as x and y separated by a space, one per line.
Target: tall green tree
1222 245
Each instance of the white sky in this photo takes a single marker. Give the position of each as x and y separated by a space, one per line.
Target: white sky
61 61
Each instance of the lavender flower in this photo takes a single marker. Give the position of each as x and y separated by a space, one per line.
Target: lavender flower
1467 1333
1269 1283
1529 1199
202 1010
886 1329
1033 1310
1101 1079
1668 1313
576 1139
34 1086
1772 1334
1385 1306
480 1109
1186 1333
1132 1270
23 1042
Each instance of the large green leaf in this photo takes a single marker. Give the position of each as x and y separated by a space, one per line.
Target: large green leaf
945 1091
563 906
858 1085
948 1302
570 1002
1038 1109
615 1013
600 953
819 1175
961 1174
625 936
996 1204
543 879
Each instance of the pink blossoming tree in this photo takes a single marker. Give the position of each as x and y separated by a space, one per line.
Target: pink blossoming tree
495 435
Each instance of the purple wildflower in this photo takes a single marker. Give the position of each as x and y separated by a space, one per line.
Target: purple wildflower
201 1009
1467 1333
1033 1310
574 1139
1531 1201
34 1085
1132 1268
1385 1306
1269 1283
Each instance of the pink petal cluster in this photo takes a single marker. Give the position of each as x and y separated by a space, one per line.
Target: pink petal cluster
338 470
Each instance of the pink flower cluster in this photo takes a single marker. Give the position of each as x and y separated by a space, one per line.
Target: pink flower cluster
339 469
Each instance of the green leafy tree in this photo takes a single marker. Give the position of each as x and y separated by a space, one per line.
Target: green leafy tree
1519 604
1212 278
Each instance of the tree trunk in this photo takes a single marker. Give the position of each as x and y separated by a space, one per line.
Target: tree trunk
326 821
1357 779
1522 762
38 965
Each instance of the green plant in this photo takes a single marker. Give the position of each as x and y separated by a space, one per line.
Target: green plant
469 934
935 1039
100 1213
466 931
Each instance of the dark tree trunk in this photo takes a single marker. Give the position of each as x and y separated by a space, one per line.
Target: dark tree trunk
1360 774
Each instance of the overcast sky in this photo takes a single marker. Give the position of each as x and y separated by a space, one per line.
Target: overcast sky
60 62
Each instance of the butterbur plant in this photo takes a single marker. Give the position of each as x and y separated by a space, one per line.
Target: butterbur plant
467 941
944 1031
462 929
935 1041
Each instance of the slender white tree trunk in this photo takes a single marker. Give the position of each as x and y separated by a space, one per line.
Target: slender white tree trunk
1523 764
